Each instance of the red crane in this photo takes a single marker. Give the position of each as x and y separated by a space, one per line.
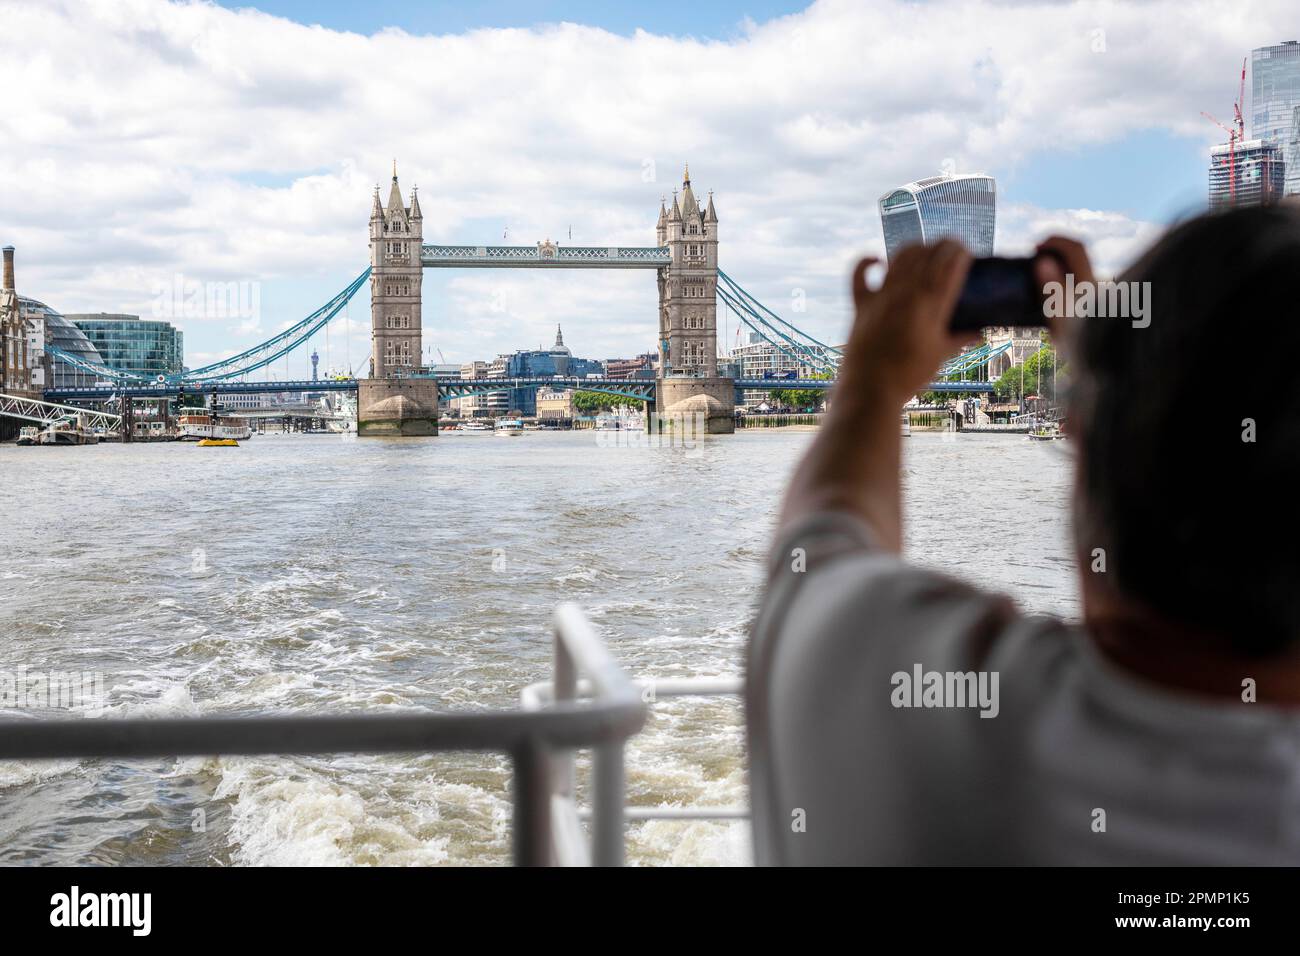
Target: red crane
1241 102
1236 134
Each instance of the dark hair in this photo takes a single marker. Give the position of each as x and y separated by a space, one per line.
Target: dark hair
1198 523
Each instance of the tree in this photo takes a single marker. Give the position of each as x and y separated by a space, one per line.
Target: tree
1038 375
590 403
801 397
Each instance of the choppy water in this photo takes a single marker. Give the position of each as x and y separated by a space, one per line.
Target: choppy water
326 573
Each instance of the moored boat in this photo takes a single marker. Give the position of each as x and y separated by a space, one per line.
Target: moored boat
69 430
1046 431
198 424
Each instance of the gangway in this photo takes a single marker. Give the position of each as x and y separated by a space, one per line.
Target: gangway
47 413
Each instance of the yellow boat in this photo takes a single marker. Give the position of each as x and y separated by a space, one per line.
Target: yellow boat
218 443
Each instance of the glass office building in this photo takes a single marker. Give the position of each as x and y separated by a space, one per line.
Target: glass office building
1259 174
958 207
1275 103
130 344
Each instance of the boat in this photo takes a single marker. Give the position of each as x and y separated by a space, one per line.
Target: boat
198 424
509 426
29 435
69 430
475 426
344 410
1046 431
218 443
907 426
146 431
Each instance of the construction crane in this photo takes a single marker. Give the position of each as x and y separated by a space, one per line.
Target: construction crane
1236 135
1241 102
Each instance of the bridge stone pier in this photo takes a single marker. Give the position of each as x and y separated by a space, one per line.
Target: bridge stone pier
397 407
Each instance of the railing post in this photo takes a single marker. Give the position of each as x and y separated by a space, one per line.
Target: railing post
566 690
531 834
607 805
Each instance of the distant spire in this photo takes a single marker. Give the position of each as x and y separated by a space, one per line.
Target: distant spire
559 336
710 214
675 213
376 211
415 203
394 169
686 174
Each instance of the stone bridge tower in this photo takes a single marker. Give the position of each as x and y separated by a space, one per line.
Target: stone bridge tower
688 313
688 309
396 234
390 401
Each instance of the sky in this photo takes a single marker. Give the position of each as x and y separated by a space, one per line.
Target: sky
147 146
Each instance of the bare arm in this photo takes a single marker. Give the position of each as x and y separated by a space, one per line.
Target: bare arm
900 337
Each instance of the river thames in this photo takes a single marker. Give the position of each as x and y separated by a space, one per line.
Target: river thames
322 573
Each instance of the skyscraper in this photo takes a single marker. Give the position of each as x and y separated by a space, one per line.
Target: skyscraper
1259 179
1274 102
960 207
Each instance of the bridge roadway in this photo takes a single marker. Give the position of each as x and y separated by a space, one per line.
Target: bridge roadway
451 387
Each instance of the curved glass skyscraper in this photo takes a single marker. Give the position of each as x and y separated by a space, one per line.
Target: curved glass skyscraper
1275 104
959 207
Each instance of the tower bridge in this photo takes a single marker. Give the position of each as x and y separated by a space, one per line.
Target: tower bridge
393 401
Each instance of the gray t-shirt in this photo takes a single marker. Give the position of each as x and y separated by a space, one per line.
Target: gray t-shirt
854 761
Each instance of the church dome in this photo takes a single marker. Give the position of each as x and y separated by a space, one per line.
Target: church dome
559 348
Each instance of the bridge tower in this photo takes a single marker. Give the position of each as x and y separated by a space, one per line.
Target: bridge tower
688 313
391 402
396 235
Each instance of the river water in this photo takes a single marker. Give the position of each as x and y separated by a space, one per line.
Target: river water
314 573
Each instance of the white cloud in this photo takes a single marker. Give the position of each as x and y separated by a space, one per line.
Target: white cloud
140 139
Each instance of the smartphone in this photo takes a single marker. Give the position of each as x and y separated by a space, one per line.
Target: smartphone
999 292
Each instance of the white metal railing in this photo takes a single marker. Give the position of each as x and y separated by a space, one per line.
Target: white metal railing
571 845
590 703
540 743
